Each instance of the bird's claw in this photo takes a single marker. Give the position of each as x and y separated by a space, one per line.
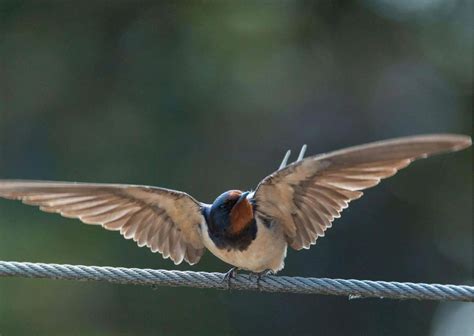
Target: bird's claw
259 276
232 273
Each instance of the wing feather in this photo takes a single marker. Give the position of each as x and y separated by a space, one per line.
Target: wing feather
163 220
316 190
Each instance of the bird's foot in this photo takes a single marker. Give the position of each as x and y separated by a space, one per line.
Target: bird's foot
259 276
232 273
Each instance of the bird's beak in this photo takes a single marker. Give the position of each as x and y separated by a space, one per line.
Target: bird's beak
242 197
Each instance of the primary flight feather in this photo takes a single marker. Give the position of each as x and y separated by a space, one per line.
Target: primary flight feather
249 230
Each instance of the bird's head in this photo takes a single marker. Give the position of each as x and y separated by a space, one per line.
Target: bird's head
231 211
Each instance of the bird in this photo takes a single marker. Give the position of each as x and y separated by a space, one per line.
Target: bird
249 230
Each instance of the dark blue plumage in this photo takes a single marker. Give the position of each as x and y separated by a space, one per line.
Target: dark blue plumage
222 228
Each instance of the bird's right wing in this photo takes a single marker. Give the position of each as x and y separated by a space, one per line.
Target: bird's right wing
164 220
306 196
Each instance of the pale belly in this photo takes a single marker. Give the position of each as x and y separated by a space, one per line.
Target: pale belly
266 252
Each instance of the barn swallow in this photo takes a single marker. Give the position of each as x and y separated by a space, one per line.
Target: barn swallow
249 230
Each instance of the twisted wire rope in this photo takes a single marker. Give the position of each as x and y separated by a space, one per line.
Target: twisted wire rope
351 288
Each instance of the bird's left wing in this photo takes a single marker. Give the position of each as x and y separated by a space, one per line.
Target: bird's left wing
306 196
164 220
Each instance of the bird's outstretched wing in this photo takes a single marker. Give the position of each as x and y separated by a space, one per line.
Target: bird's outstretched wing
164 220
306 196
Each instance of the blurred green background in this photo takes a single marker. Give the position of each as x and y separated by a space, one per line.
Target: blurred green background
206 96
